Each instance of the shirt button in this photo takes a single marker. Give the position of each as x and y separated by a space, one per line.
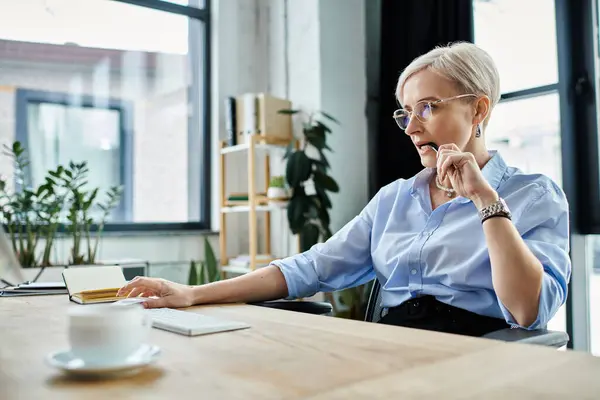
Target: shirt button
413 271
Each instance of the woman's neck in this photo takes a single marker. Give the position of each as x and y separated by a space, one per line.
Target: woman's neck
482 155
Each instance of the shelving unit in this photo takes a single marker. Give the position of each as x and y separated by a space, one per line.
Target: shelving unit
253 206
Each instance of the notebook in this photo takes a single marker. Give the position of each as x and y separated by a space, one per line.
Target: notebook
90 285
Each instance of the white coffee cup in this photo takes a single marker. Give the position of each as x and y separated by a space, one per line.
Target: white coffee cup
103 335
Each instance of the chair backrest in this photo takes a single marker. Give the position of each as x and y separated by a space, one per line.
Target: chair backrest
544 337
373 313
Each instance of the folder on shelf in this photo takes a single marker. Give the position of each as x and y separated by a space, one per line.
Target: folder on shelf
90 285
258 114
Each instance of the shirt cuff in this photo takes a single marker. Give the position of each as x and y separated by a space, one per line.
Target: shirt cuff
546 309
300 276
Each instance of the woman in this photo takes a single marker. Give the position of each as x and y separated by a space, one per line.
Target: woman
469 245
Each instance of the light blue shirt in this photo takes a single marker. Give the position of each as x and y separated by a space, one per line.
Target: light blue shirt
413 250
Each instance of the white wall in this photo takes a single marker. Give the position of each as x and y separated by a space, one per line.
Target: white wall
312 52
344 95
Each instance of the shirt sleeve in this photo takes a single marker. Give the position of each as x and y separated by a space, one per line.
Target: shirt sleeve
343 261
544 226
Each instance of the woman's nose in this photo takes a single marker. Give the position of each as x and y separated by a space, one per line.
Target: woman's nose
413 125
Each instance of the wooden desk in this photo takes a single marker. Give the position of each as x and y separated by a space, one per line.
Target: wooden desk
292 356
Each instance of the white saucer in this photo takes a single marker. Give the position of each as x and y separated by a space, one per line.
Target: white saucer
65 361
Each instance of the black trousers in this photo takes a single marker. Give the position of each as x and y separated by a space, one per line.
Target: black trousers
428 313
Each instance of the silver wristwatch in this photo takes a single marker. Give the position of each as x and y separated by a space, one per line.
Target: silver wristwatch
497 209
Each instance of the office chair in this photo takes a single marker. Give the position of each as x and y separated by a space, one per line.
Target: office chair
543 337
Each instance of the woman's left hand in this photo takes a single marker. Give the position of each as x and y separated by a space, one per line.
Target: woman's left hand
460 169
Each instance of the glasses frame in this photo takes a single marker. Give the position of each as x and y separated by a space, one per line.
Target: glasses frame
429 103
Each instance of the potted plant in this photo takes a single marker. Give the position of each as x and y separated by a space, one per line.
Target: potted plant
33 215
208 271
277 192
307 174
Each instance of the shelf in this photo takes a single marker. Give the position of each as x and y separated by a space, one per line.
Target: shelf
258 146
246 208
235 269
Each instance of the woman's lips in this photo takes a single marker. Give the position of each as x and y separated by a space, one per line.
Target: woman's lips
425 148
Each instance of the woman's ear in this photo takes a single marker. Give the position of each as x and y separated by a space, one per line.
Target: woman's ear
482 109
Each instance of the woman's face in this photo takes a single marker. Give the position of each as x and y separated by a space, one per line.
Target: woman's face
447 122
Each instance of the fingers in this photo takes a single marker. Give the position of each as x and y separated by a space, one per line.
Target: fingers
452 161
156 303
152 284
449 146
135 292
441 159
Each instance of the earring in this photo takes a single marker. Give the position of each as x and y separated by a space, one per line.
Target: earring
478 131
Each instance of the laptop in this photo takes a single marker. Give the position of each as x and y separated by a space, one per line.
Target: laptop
10 269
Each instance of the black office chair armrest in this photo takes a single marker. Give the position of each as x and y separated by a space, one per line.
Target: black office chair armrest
542 337
308 307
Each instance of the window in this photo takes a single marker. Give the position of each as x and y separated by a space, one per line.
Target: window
121 84
525 125
523 47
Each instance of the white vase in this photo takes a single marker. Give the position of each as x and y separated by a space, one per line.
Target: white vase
277 194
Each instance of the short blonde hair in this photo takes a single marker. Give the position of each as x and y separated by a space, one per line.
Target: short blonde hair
465 64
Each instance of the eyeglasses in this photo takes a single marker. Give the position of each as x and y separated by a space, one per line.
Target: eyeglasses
423 110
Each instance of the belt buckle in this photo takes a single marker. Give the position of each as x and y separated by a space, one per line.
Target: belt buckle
414 306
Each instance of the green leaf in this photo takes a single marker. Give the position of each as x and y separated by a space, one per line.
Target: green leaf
193 275
320 165
325 181
309 236
329 117
313 210
288 112
17 149
298 169
210 260
316 141
348 297
316 137
324 127
323 197
324 216
297 208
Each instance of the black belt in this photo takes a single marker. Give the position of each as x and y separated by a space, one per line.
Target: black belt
427 312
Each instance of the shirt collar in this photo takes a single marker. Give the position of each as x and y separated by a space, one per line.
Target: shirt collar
492 171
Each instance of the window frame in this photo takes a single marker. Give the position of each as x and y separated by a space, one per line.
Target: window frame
198 93
577 53
25 97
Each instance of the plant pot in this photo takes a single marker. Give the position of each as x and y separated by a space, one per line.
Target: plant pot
50 274
278 195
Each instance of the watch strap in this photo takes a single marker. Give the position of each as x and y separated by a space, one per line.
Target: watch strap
497 209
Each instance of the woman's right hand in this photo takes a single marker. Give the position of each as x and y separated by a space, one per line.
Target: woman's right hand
165 293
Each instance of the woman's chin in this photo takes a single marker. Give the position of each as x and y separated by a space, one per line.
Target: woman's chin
428 161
